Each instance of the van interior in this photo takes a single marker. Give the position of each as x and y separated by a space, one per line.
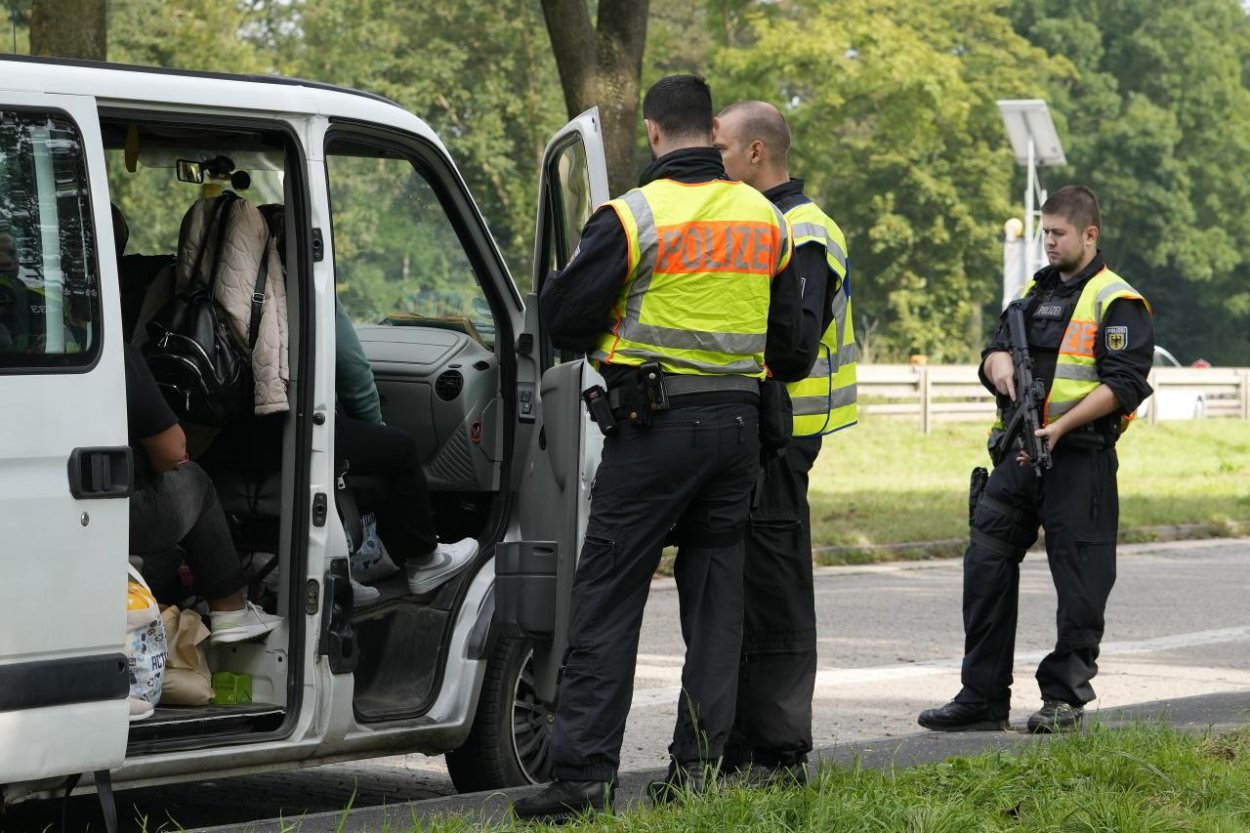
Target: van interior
409 274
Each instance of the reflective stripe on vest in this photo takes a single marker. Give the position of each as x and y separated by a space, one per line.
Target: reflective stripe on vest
1076 371
826 401
701 261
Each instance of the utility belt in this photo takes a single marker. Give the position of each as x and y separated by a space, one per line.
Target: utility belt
638 395
1099 435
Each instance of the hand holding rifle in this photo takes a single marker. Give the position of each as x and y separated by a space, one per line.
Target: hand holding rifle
1012 375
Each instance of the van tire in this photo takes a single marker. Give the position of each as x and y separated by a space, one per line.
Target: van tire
509 745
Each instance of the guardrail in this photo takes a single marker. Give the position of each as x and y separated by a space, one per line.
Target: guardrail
951 393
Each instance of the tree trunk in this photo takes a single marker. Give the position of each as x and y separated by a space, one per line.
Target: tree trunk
69 29
603 67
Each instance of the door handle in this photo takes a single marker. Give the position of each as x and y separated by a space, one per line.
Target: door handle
101 473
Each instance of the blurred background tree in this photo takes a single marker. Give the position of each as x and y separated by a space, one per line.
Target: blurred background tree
892 107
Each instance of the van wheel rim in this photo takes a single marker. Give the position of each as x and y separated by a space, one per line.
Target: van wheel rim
531 726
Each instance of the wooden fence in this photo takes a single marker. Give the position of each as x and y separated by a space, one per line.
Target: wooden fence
946 393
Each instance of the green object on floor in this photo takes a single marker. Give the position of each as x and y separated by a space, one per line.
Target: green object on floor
231 689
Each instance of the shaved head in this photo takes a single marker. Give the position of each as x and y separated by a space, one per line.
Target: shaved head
753 139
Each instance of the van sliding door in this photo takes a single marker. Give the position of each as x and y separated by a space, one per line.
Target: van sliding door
65 468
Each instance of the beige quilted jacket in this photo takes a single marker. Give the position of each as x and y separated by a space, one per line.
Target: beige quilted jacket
247 240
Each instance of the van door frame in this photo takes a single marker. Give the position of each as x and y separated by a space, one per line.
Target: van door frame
462 213
300 348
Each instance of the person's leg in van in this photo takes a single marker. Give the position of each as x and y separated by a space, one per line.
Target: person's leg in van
180 508
405 520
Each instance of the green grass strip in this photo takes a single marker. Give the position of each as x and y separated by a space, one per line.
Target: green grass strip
884 483
1146 778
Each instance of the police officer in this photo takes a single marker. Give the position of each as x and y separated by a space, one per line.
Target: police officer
679 291
1091 339
773 725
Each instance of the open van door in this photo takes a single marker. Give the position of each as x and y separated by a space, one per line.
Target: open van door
566 445
65 467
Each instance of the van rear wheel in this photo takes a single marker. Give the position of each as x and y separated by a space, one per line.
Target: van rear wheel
509 744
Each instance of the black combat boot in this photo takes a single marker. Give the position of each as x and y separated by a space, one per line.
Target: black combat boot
965 717
682 779
565 799
1055 716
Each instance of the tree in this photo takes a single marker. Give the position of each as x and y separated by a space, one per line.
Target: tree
69 29
602 65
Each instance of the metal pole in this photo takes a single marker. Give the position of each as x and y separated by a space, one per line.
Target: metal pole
1029 192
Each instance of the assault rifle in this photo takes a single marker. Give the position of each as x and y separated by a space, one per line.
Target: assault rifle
1025 415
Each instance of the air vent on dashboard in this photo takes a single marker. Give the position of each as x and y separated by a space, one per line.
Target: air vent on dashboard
448 385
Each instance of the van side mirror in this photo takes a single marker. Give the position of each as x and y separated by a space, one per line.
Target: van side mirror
190 171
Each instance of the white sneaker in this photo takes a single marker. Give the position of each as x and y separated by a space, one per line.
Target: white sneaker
241 625
363 595
445 562
140 709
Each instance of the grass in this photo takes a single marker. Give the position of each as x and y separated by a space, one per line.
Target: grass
1146 778
883 482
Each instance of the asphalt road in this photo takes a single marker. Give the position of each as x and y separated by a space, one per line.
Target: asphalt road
1178 625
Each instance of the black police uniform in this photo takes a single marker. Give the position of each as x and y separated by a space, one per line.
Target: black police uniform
777 674
687 480
1076 502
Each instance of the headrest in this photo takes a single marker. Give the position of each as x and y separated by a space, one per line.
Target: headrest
121 231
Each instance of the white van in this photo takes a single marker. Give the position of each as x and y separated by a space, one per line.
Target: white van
370 195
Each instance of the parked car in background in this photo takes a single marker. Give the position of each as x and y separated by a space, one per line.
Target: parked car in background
1173 401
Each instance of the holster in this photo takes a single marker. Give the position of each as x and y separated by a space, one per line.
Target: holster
596 399
776 417
977 487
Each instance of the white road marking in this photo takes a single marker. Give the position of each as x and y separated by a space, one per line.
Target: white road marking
652 666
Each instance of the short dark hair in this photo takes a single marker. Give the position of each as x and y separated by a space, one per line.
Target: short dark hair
762 121
680 105
1076 204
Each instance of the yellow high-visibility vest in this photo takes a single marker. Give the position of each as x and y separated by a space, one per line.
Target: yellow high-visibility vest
826 401
701 261
1076 372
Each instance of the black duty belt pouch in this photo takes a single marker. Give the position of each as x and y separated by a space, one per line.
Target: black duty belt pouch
980 477
635 405
776 417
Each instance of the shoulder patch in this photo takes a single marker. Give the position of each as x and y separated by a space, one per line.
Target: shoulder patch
1117 338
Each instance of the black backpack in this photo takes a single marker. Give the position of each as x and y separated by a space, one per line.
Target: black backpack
205 375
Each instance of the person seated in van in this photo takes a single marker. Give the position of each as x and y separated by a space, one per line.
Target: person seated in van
175 516
370 447
14 304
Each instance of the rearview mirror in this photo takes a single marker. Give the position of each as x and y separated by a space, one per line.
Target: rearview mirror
190 171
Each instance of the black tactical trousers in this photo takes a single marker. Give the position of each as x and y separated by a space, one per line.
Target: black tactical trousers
686 479
1077 503
777 676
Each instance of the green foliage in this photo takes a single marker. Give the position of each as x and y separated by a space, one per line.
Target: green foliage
897 134
892 107
480 73
1156 119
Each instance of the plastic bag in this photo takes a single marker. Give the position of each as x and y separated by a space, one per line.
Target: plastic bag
188 681
145 647
370 562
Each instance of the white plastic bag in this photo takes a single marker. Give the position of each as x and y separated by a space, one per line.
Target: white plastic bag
146 648
370 562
